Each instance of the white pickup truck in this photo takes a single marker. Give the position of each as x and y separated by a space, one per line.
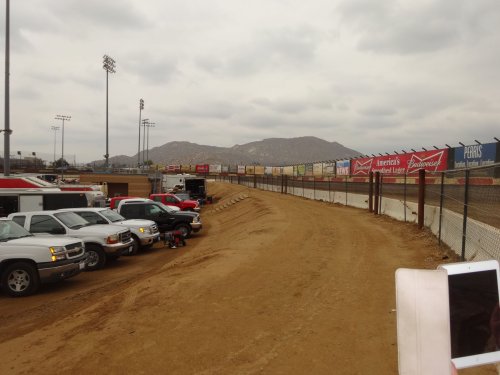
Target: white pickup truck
102 242
27 261
144 232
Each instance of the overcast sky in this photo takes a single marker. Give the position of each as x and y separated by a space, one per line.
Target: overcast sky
375 76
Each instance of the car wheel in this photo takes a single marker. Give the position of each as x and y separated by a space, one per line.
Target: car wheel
96 258
184 229
20 279
135 246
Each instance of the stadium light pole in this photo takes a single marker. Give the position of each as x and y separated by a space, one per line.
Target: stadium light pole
6 130
144 122
109 67
62 118
55 129
141 107
149 125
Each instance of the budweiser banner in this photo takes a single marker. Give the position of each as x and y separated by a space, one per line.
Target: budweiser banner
202 168
431 161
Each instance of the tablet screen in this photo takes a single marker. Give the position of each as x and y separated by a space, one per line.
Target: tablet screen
474 313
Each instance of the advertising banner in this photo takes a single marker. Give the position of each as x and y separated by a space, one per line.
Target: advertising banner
288 171
249 169
234 169
431 161
185 168
268 171
475 155
329 169
202 168
225 168
277 171
343 167
259 169
241 169
309 169
318 169
300 170
173 168
215 168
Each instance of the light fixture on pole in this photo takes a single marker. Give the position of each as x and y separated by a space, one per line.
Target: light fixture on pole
62 118
109 67
149 125
55 129
141 107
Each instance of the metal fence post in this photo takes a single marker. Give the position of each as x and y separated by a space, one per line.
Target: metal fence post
346 189
441 200
466 205
404 196
421 197
377 181
370 192
381 185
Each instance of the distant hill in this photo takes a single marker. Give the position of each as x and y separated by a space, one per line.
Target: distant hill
270 152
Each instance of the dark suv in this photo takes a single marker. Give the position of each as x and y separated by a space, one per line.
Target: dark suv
165 218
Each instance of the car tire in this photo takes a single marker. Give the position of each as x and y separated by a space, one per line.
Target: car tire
96 258
135 246
20 279
185 229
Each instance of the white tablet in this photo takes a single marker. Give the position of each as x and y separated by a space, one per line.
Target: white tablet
474 312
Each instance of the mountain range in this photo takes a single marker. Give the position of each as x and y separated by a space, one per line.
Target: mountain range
270 152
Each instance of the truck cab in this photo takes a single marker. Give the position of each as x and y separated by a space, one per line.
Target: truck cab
169 199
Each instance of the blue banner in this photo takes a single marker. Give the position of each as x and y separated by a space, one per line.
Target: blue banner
475 155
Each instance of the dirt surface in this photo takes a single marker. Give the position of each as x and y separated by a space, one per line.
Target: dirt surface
273 284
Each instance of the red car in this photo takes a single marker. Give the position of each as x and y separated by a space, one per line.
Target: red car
173 200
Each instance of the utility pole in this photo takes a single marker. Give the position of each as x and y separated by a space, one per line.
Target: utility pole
141 107
62 118
109 67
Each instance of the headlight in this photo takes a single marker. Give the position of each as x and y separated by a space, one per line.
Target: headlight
142 230
58 253
196 219
114 238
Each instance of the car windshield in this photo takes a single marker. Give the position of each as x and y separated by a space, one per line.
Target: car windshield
10 230
112 216
72 220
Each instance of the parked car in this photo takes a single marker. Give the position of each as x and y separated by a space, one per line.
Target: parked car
102 242
165 218
27 261
144 232
174 201
115 205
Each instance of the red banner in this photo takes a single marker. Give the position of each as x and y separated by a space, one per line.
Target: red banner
431 161
202 168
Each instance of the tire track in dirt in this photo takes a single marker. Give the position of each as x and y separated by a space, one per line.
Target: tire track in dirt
275 285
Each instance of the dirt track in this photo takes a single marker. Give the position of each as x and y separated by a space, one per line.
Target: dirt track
273 285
